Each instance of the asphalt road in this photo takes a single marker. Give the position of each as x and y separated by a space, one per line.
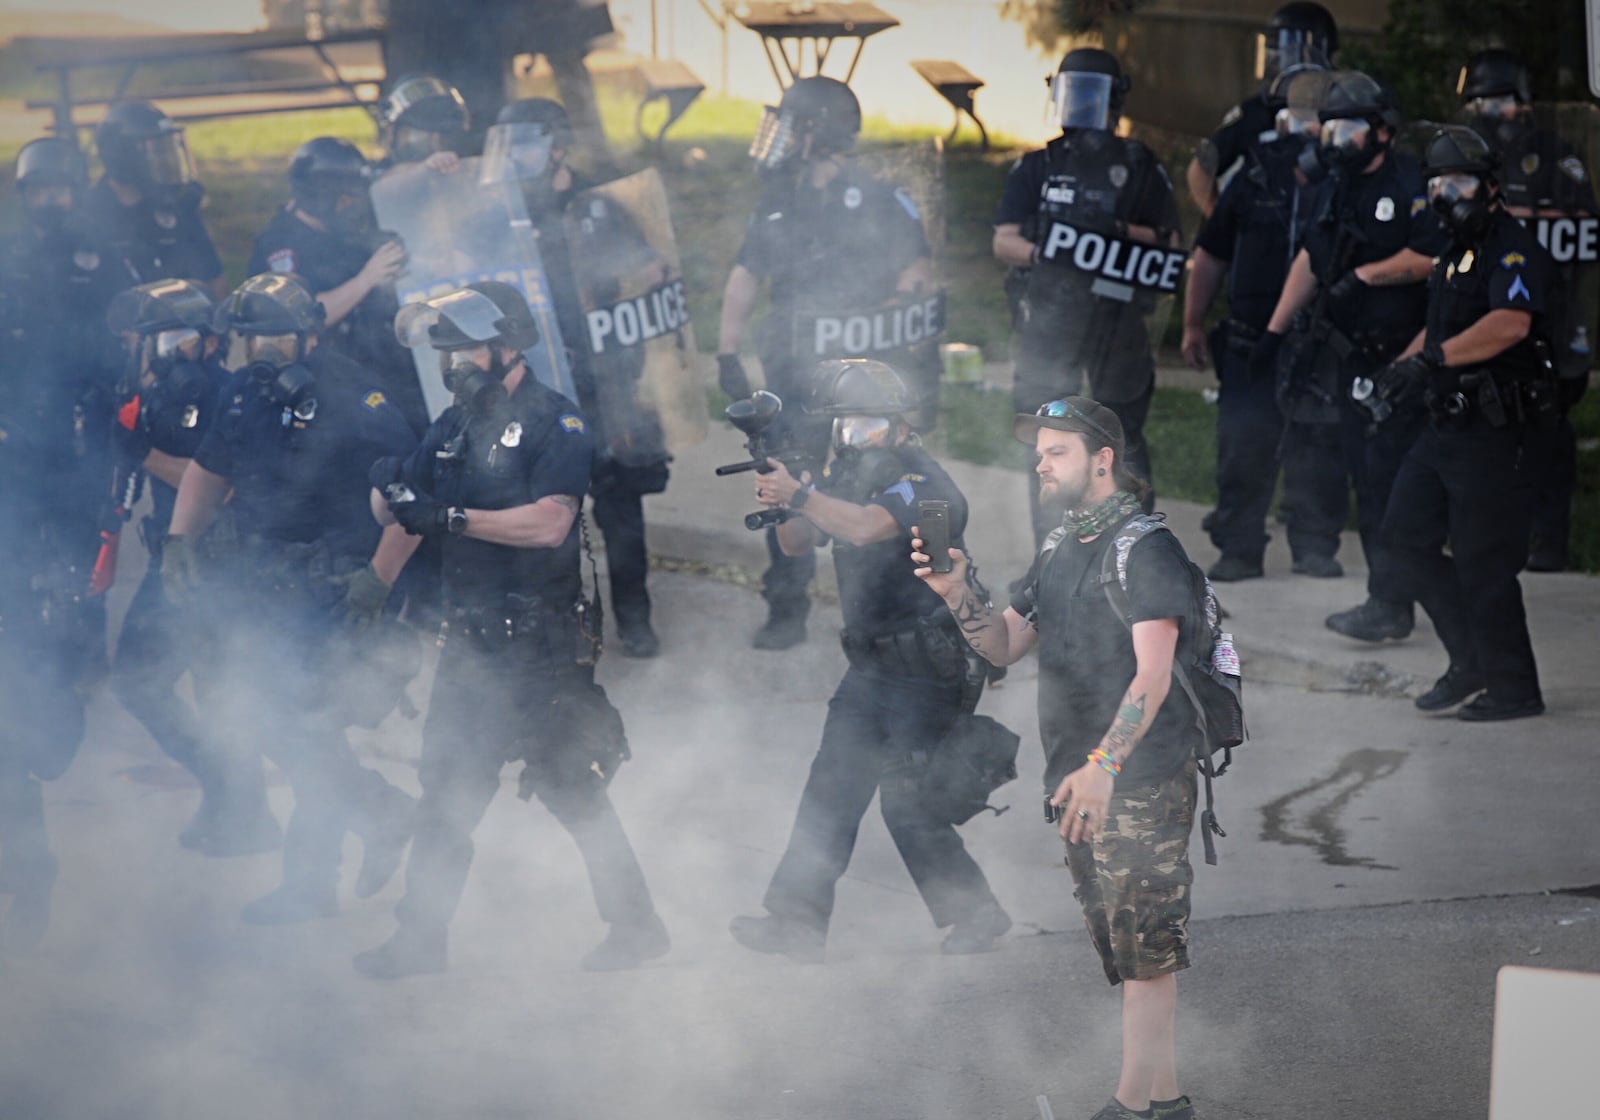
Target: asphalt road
1378 870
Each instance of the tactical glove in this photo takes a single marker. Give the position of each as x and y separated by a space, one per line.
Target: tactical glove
1405 382
731 376
422 517
180 571
365 597
1345 291
387 470
1264 356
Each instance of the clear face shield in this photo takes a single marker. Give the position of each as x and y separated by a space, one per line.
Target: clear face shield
514 153
275 350
1283 47
777 139
413 145
1347 137
1500 107
167 159
181 344
1080 100
462 318
1457 186
858 432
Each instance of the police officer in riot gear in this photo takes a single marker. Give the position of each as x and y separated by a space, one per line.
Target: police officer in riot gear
530 141
1251 237
56 386
1483 370
169 398
1300 33
831 239
904 688
1094 179
61 363
425 120
327 236
299 429
147 205
500 477
1359 281
1545 185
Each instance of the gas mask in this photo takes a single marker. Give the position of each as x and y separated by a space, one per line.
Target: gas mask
475 389
1500 116
859 432
273 362
1349 144
1461 199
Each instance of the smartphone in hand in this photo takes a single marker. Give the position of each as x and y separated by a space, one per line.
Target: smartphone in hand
933 526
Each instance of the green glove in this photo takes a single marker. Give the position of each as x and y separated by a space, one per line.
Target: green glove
364 598
180 571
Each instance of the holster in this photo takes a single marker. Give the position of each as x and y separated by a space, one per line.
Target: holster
580 740
932 648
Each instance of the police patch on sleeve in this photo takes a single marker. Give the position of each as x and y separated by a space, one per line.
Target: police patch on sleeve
571 422
1419 204
903 197
1519 290
374 400
281 260
1573 166
901 490
1232 115
1513 260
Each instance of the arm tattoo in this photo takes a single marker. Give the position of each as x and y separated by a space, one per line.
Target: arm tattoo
566 500
976 618
1128 728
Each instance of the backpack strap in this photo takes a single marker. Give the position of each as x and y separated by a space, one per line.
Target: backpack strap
1114 577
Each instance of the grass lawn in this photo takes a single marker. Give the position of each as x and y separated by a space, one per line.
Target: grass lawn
713 191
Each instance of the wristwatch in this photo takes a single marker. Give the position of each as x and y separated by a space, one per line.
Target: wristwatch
455 521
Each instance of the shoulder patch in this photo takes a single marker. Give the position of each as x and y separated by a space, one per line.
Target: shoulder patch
571 422
1513 260
1231 116
1419 204
1573 166
913 478
903 197
1519 290
901 490
281 260
374 400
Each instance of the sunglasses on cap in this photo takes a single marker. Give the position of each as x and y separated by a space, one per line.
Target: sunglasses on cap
1066 410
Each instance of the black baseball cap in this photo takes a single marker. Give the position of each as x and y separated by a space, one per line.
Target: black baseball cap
1072 414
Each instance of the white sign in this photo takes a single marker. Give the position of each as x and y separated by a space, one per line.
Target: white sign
1118 265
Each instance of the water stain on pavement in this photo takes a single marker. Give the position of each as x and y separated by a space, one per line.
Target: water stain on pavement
1309 816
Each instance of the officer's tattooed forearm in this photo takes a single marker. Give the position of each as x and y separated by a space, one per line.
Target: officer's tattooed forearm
1128 728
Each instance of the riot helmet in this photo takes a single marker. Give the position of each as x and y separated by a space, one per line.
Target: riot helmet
1299 32
169 321
423 115
489 313
820 110
329 180
1294 96
1353 111
143 148
270 319
1461 186
1496 94
865 397
1087 90
49 175
524 145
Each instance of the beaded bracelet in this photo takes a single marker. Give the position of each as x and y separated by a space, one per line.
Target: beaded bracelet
1102 758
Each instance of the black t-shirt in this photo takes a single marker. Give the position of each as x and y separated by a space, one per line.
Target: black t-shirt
533 446
161 239
1087 175
298 480
1257 226
176 413
1507 269
366 335
1086 659
841 248
878 592
1383 212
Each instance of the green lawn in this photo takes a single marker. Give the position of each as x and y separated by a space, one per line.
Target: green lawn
712 190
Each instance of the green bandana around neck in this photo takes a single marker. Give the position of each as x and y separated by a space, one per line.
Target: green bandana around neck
1097 519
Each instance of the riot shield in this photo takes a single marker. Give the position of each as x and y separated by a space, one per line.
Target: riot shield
637 378
1572 237
457 232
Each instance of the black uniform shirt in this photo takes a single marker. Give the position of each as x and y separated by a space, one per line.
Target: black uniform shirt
324 261
1092 176
1247 127
533 446
176 413
878 592
297 480
1541 171
1257 227
840 248
1086 659
1507 269
161 240
1381 213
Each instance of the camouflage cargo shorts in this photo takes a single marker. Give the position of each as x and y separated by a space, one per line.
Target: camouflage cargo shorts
1133 880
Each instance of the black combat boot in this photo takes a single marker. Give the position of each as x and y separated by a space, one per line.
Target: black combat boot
1230 569
628 945
978 932
1485 708
638 638
1456 685
384 843
1317 566
1376 620
783 937
785 627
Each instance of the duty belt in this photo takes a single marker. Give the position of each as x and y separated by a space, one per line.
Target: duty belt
528 624
916 651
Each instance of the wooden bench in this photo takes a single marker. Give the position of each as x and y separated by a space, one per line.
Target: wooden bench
671 82
957 85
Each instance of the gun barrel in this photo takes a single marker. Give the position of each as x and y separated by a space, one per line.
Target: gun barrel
740 468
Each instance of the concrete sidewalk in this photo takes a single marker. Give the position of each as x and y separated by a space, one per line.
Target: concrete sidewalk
1277 622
